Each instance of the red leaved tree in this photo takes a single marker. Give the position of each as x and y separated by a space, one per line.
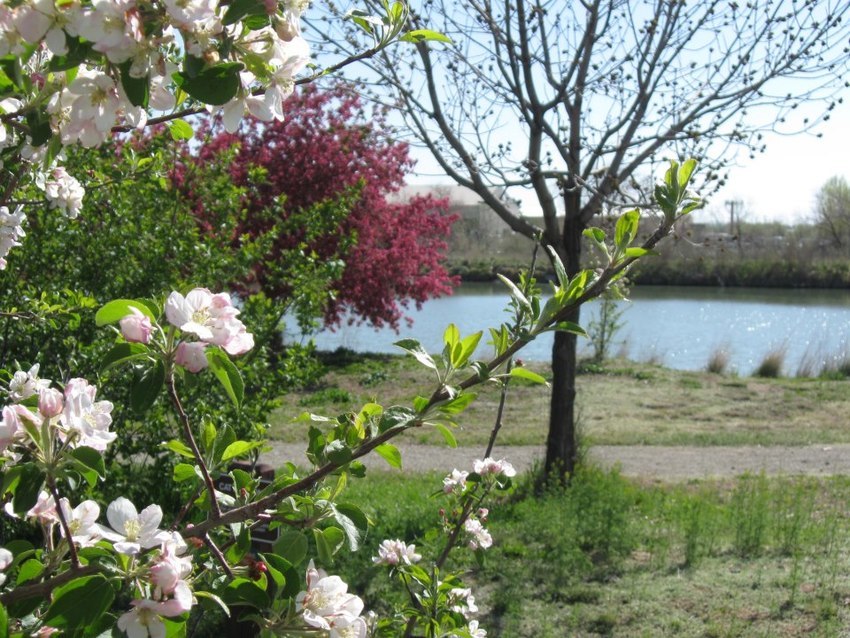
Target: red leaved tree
331 148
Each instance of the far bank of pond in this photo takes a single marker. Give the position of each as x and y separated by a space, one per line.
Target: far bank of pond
679 327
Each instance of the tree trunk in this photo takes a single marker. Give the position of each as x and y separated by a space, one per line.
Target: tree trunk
562 442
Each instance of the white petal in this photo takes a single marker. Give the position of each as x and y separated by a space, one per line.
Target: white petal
119 512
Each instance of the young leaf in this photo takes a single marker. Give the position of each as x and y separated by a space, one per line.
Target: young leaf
448 435
227 374
528 375
412 346
390 454
626 229
114 311
239 448
516 293
451 336
560 271
181 130
424 35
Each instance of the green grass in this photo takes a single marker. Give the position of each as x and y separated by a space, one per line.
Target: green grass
609 557
621 403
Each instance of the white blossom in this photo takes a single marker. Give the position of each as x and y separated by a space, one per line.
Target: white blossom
85 421
64 192
326 603
24 385
82 521
480 537
11 231
455 482
131 531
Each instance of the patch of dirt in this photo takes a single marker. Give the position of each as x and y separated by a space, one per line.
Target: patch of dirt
664 463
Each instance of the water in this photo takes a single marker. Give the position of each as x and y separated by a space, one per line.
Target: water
676 326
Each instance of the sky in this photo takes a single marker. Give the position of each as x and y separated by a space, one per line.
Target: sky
779 185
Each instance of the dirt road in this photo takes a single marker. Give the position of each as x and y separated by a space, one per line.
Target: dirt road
674 463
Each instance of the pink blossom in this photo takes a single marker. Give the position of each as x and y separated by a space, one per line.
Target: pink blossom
491 466
211 318
393 552
169 570
191 355
51 403
136 327
455 482
11 427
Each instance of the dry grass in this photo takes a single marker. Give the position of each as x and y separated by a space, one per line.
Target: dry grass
622 404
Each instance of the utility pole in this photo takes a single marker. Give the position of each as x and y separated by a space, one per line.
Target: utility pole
734 206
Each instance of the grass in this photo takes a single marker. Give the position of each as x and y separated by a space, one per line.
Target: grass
621 403
610 557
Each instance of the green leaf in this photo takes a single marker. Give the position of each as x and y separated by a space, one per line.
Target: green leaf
239 448
516 293
181 130
412 346
467 347
91 459
122 353
238 9
448 435
560 271
79 603
626 229
216 599
179 447
458 404
29 487
528 375
451 336
146 387
328 542
338 452
117 309
292 546
242 591
184 472
390 454
216 85
4 622
29 570
569 326
424 35
227 374
136 89
639 252
685 173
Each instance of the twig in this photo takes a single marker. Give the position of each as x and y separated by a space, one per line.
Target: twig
66 530
215 511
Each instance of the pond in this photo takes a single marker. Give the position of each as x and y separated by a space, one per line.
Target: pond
679 327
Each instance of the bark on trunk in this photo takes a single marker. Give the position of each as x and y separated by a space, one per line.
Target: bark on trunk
562 442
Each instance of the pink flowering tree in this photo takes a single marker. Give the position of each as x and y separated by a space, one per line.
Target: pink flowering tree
77 72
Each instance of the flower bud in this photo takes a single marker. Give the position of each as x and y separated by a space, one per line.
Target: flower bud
51 402
190 355
136 327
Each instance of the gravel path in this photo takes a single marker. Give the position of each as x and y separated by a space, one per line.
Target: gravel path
667 463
